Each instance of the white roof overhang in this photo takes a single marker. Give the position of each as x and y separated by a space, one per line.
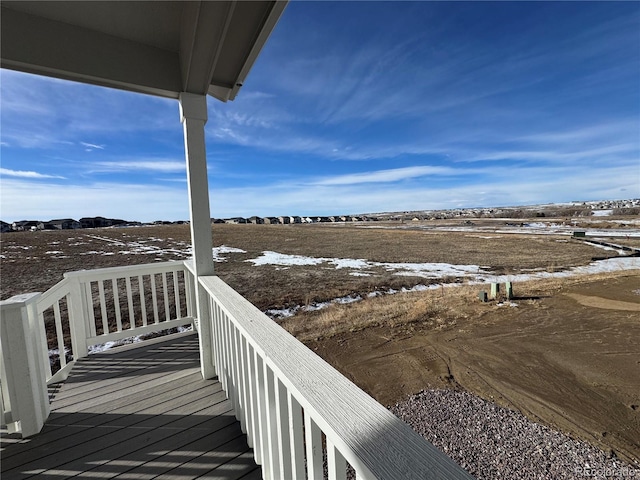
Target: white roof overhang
160 48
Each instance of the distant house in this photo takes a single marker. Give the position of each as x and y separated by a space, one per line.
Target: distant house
256 220
5 227
94 222
64 224
217 220
101 222
25 225
236 220
285 220
356 219
295 219
271 220
345 218
322 219
46 226
308 220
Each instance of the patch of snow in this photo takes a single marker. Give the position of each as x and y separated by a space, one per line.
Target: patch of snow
349 263
283 259
278 314
602 213
53 252
108 345
221 250
432 270
360 274
619 251
55 352
348 299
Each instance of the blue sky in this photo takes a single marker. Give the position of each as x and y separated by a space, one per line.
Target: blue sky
354 108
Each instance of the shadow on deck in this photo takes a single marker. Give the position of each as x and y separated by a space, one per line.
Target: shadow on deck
137 412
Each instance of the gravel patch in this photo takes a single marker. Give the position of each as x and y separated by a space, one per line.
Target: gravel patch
492 442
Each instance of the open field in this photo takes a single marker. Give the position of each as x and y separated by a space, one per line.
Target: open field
564 351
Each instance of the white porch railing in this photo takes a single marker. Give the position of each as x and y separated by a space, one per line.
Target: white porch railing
302 417
86 309
299 412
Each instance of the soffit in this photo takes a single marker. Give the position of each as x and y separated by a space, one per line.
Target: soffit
154 47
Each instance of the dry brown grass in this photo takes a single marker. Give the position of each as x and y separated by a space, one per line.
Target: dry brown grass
33 269
431 309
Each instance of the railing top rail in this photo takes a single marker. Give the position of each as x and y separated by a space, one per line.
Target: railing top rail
129 270
370 437
52 295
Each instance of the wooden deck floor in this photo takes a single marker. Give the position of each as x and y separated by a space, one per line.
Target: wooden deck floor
137 412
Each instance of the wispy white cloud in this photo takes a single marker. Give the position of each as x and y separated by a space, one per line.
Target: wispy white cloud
609 152
92 146
387 176
163 166
25 174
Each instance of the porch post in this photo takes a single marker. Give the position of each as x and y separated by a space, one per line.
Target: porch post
193 115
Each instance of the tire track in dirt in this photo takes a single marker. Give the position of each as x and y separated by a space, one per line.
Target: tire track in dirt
605 303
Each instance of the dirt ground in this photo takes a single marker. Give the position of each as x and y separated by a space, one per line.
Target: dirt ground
570 360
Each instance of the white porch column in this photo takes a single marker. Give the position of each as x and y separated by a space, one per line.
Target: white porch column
193 115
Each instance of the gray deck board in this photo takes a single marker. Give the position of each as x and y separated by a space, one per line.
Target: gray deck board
138 412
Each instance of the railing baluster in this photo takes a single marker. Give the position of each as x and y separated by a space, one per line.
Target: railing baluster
282 421
165 291
103 308
90 309
246 389
272 421
216 318
78 319
225 356
36 323
132 316
143 300
154 298
313 437
176 294
262 419
116 303
336 463
59 333
231 369
242 394
255 407
188 295
237 404
296 434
